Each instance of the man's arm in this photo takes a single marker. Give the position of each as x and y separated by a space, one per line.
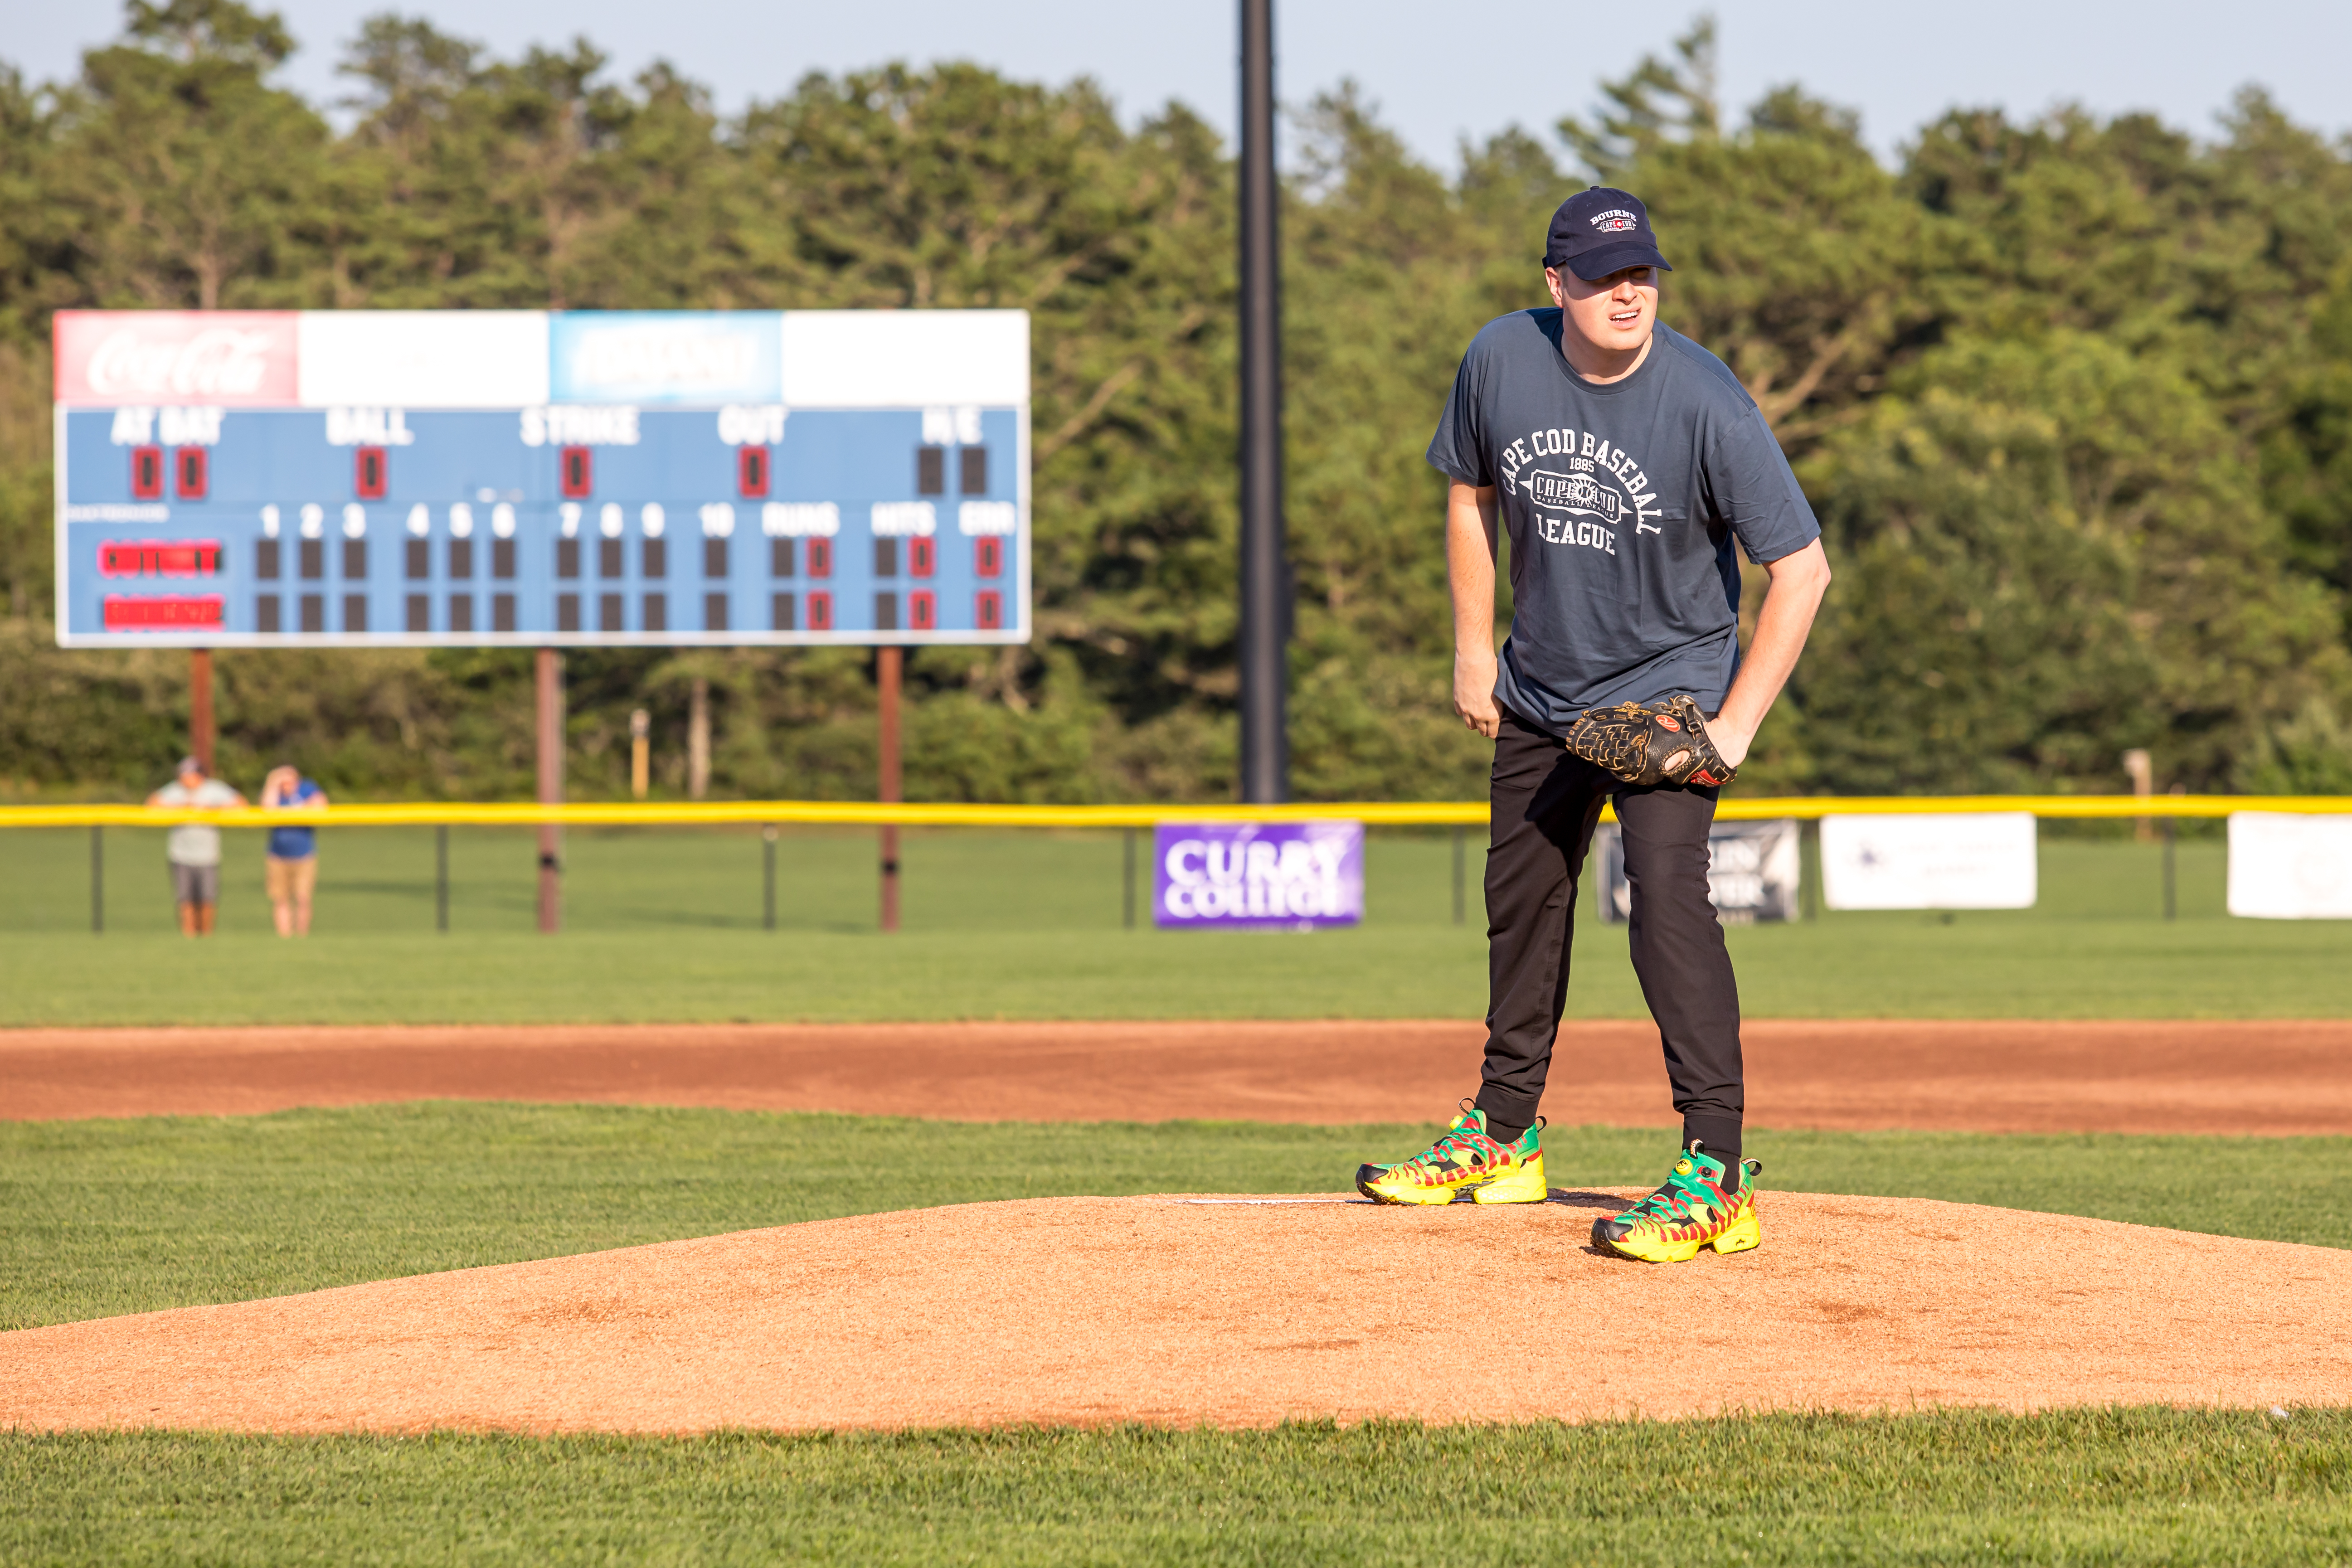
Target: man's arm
1470 517
1782 623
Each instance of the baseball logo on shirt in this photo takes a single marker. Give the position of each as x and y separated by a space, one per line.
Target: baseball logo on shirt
1585 497
1579 493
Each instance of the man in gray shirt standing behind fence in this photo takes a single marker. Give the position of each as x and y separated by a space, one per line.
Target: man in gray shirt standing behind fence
193 848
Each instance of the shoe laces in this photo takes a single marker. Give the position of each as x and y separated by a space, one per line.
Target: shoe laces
1461 1145
1682 1197
1669 1202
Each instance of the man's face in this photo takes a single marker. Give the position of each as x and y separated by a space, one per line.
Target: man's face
191 779
1616 313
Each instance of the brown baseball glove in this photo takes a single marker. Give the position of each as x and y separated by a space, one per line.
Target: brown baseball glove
1666 745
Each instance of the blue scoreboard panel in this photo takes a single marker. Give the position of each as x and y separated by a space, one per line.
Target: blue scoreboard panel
318 479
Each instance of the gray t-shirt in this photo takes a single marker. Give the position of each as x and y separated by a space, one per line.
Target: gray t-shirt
195 843
1622 502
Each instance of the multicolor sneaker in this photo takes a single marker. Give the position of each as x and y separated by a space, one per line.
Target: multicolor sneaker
1693 1210
1464 1166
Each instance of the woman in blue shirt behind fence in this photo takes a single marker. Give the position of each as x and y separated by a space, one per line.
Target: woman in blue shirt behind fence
293 858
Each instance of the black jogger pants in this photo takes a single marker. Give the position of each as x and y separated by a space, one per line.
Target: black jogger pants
1546 805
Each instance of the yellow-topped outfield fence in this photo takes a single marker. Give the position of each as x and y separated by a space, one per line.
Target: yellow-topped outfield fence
1130 821
867 813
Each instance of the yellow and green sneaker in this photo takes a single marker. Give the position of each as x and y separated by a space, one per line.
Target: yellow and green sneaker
1693 1209
1464 1166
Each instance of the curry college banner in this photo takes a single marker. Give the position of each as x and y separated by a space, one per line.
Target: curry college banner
1266 875
1752 871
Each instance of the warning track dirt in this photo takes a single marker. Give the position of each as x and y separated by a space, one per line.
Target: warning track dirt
2153 1077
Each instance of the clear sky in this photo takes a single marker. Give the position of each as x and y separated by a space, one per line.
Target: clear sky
1438 71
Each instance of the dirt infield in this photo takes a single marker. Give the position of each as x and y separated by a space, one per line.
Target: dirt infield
1236 1313
1979 1075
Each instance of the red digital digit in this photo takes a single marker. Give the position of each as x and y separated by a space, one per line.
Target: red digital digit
190 469
990 610
921 557
147 473
751 471
368 475
820 612
820 558
575 471
922 611
987 556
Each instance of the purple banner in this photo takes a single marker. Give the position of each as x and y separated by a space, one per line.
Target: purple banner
1279 875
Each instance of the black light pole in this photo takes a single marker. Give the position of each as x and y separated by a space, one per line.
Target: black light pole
1266 754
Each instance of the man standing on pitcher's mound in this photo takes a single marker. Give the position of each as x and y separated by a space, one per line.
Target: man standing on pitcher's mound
1624 459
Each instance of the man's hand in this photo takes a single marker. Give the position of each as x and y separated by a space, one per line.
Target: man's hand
1474 692
1731 740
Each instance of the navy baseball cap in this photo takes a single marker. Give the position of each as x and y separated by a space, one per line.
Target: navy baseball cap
1599 231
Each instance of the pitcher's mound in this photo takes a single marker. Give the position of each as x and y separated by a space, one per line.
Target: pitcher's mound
1235 1312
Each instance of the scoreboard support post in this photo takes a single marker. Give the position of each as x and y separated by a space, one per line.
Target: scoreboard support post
698 738
200 707
887 662
549 684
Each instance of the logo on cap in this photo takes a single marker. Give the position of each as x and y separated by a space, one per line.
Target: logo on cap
1616 220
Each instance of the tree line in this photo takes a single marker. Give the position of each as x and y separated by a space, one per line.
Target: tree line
2072 397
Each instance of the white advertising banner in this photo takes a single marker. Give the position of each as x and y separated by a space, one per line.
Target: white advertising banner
2284 866
900 359
421 359
1974 860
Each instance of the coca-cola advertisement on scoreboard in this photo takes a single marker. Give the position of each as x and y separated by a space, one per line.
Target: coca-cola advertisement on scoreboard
233 357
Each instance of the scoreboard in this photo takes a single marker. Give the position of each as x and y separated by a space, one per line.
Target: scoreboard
374 477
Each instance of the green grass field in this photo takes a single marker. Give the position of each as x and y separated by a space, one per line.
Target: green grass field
665 927
101 1218
2105 1488
110 1217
